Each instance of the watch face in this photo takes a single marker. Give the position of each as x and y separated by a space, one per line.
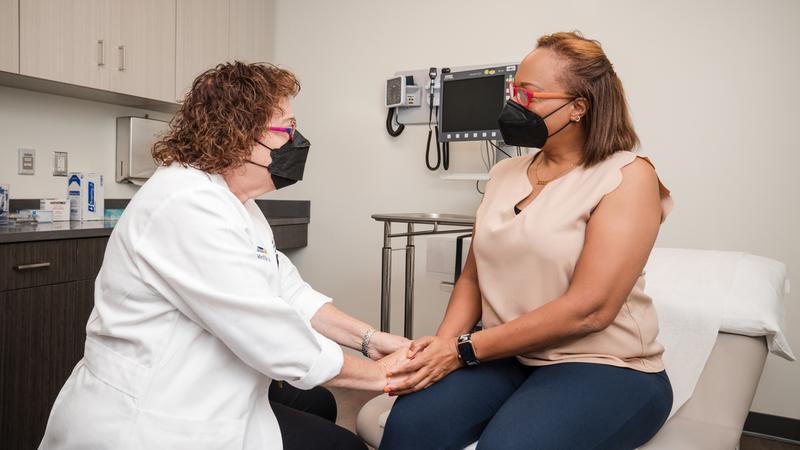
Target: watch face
465 351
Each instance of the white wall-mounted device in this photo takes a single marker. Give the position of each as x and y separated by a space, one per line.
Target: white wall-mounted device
402 92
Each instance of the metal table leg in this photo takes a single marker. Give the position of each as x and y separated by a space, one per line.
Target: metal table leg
409 313
386 274
449 220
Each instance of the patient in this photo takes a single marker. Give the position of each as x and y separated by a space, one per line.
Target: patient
567 357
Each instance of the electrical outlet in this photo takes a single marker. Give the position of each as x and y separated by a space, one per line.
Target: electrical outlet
26 161
59 164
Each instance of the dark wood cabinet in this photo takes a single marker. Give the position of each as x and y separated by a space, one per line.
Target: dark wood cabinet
43 337
42 334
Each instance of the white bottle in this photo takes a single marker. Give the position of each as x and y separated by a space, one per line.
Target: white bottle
4 206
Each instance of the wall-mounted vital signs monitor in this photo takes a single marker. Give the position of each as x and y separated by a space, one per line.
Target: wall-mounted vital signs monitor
471 101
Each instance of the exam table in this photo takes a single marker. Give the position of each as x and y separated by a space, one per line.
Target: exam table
712 419
720 314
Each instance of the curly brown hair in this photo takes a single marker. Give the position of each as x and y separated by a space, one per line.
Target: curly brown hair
227 108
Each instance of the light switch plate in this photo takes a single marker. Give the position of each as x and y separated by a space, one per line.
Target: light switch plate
60 164
26 161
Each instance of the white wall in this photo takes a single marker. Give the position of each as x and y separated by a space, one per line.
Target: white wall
713 88
85 130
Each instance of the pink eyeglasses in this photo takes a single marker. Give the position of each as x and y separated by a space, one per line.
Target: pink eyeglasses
290 130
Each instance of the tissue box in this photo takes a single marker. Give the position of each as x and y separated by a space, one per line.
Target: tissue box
86 197
42 215
59 206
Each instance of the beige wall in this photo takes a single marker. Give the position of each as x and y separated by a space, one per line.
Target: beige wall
713 88
85 130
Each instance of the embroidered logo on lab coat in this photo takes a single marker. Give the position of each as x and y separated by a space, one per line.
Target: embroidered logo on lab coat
261 253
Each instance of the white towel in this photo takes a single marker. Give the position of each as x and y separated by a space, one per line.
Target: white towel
698 293
689 290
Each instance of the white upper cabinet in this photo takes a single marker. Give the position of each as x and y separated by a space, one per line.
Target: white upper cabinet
202 39
215 31
66 40
252 25
118 45
142 56
152 49
9 35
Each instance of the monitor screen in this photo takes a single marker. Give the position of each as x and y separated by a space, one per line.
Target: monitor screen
471 102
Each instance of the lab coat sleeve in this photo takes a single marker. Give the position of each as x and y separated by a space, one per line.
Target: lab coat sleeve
196 251
297 292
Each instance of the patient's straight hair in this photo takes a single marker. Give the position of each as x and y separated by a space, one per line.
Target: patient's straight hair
589 74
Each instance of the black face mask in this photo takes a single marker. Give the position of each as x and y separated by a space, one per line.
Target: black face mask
288 161
524 128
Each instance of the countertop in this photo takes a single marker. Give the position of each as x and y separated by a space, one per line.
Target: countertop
31 231
278 213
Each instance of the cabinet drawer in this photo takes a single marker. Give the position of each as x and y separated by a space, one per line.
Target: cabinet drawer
29 264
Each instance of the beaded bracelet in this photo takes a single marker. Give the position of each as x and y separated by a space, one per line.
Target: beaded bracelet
365 341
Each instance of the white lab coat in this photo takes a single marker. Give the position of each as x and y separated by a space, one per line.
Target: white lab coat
195 313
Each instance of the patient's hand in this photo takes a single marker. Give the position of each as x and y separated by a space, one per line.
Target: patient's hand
384 344
433 359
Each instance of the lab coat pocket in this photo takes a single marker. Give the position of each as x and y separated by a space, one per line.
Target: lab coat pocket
160 431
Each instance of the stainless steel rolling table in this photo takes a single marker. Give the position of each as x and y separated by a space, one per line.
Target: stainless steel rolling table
433 219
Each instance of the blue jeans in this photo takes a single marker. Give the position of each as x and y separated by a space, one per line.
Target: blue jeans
507 406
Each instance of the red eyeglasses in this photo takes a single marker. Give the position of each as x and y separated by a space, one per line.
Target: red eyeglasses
525 96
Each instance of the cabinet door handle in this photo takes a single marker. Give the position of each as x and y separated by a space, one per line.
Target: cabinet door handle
101 52
22 267
121 58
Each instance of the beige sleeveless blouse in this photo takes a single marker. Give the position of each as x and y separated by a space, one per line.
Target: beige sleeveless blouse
527 260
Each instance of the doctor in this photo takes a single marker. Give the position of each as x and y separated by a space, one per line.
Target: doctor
196 312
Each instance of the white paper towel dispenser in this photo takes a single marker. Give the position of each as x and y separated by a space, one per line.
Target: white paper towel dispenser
135 139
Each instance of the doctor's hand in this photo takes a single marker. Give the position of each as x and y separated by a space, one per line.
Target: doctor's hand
430 359
395 360
383 344
391 363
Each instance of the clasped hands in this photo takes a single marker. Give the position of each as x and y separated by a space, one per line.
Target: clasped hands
421 363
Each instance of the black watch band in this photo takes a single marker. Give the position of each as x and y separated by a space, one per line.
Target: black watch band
466 353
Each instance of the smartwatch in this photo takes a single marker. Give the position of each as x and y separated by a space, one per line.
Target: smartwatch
466 353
